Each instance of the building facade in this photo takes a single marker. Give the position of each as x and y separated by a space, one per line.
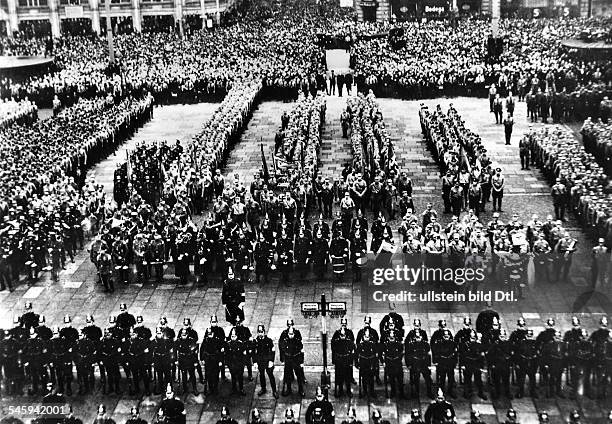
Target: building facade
54 17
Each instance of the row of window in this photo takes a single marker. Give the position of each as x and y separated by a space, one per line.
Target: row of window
41 3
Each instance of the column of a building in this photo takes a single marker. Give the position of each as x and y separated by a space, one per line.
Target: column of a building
54 18
95 16
13 19
178 15
136 16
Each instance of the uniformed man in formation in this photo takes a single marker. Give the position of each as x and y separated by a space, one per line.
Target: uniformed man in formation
34 356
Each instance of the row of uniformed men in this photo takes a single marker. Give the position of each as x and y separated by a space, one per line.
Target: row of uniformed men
31 350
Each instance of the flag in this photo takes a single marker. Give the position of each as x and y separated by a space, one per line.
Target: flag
266 173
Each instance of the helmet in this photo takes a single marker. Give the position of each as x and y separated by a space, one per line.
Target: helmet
574 416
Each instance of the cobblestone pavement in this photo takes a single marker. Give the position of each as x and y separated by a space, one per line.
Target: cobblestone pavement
78 293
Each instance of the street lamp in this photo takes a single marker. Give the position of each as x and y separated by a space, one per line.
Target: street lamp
312 310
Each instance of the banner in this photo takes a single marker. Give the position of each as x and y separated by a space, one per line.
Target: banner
73 12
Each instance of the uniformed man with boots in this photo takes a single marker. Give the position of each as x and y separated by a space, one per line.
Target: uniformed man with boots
233 298
343 350
85 356
418 359
161 349
110 351
263 356
186 355
392 351
244 335
554 361
212 350
140 362
235 358
499 359
472 357
193 335
444 353
527 360
366 361
292 355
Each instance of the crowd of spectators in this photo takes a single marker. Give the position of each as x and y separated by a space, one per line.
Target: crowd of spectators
438 59
20 112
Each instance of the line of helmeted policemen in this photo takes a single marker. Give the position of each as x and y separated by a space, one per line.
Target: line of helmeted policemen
34 354
487 346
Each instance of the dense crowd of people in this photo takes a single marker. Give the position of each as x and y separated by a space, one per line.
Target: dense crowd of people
23 112
46 204
438 59
268 43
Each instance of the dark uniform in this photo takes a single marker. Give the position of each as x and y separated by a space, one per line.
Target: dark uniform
418 359
444 355
366 360
233 297
292 355
527 360
321 407
439 412
173 408
187 357
471 354
236 357
554 361
343 350
392 354
499 358
263 356
140 362
212 350
162 351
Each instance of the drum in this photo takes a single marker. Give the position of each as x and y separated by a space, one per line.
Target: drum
338 264
361 260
